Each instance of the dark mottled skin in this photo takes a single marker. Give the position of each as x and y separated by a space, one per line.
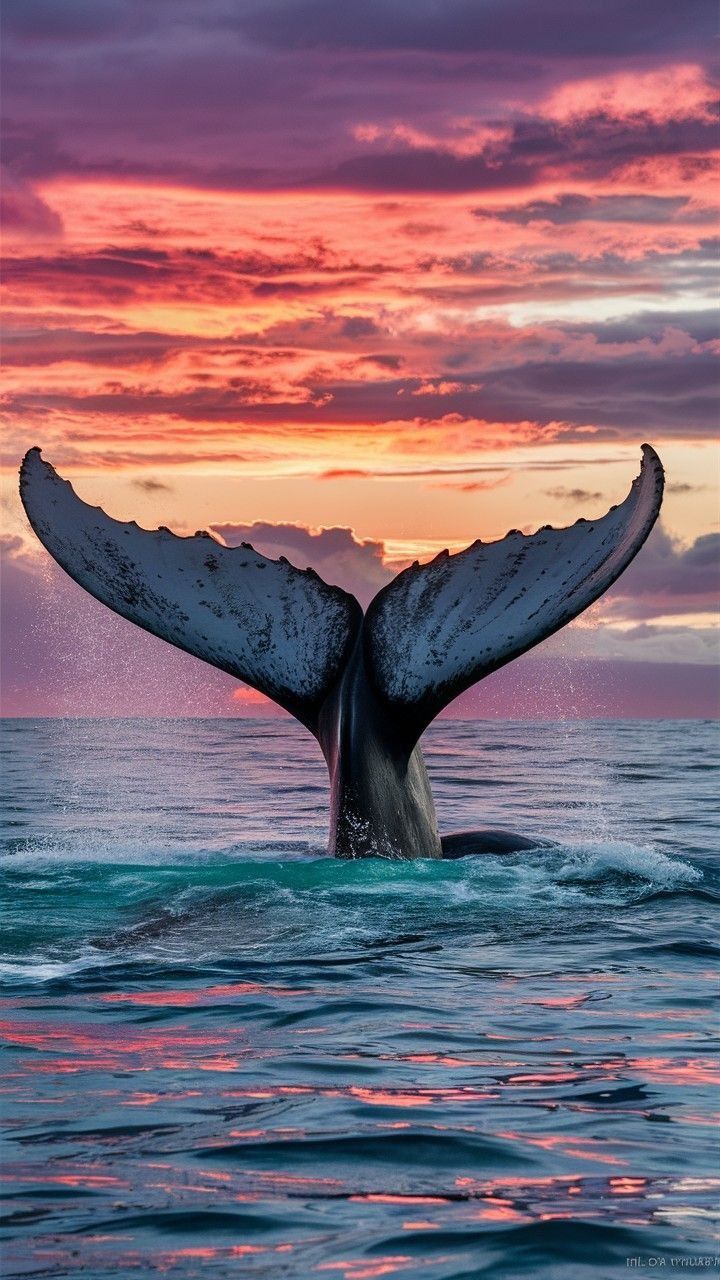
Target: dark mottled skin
381 804
380 799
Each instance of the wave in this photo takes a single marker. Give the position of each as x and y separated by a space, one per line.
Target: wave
640 862
50 853
586 860
216 907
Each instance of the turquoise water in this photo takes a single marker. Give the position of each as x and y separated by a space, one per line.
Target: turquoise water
228 1055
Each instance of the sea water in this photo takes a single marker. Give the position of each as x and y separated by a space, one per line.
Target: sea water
228 1055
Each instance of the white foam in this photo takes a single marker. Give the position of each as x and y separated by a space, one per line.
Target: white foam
51 853
594 859
37 969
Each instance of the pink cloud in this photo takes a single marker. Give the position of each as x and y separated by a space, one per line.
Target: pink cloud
461 136
674 92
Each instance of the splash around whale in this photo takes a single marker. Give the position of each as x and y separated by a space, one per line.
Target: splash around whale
365 685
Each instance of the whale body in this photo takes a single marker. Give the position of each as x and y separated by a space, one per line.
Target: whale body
366 685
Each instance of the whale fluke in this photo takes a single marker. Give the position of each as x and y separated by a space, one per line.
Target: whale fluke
440 627
365 687
280 629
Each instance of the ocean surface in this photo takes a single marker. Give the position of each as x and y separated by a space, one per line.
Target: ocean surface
227 1055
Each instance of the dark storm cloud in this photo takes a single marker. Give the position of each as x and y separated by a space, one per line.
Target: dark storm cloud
632 394
358 327
421 170
668 578
555 28
588 148
627 397
166 84
572 207
70 21
558 28
28 347
119 275
699 325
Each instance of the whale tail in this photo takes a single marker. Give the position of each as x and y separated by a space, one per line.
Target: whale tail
432 632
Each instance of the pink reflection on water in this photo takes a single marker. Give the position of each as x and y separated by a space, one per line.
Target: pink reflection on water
195 995
112 1048
545 1077
627 1186
373 1095
577 1148
388 1098
88 1037
94 1181
139 1098
421 1097
710 1120
387 1197
436 1059
296 1180
495 1209
361 1269
485 1186
685 1071
209 1253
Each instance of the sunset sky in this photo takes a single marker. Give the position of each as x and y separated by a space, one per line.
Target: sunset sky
357 282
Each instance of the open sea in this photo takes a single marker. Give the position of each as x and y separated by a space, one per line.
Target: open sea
227 1055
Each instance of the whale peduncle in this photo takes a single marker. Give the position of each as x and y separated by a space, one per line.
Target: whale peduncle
380 799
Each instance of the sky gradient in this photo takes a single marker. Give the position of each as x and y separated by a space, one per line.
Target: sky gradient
356 283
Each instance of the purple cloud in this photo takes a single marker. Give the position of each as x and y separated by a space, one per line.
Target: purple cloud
336 554
668 578
566 28
572 207
24 212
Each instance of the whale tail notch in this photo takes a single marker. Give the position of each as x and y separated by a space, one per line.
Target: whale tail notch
432 632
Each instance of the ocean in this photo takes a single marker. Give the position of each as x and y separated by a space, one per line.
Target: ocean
228 1055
